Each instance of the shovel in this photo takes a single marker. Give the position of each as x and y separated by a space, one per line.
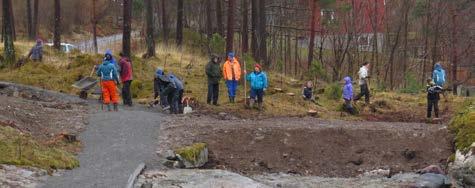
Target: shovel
187 109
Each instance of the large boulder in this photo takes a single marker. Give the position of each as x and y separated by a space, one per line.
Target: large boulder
193 156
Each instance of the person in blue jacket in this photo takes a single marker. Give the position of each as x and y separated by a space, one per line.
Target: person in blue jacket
176 95
348 95
438 76
258 80
109 82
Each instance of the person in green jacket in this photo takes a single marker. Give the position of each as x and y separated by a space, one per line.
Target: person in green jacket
213 71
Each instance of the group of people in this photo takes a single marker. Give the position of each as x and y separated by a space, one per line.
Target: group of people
111 75
434 88
170 88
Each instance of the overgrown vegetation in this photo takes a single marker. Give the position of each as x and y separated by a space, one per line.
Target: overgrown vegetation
21 149
463 125
191 153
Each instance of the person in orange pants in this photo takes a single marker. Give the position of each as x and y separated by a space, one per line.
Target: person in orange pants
108 73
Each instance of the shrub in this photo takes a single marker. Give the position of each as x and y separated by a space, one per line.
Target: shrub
217 44
463 125
412 85
333 91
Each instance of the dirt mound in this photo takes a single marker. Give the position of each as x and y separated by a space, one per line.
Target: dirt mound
309 146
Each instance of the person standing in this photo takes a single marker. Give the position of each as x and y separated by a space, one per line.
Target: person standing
433 98
258 80
232 74
348 95
36 53
363 82
126 77
438 76
109 78
213 71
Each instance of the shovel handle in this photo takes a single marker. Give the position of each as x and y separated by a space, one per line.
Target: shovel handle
92 71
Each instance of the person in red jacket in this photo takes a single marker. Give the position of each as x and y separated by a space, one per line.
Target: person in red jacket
126 77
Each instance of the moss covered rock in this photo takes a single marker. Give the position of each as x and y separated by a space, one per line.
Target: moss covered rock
193 156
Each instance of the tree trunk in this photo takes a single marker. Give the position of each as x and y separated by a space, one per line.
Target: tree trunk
29 20
165 22
230 26
57 25
179 23
426 42
245 26
9 49
94 27
454 52
209 20
219 17
311 43
150 29
12 22
262 33
127 16
406 25
374 54
35 18
254 26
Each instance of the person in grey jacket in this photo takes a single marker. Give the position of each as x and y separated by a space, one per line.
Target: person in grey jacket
175 97
36 53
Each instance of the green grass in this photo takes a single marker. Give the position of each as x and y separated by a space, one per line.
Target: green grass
21 149
191 153
463 125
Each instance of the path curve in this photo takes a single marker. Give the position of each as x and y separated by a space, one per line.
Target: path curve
115 143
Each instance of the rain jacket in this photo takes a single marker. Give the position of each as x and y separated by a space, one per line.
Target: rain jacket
232 71
107 71
438 76
348 89
175 81
37 51
213 71
258 80
125 69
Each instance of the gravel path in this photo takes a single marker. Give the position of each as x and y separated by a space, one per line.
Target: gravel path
115 143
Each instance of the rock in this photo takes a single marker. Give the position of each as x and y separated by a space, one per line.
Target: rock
147 185
193 156
168 163
170 155
435 169
409 154
357 162
377 173
469 180
431 180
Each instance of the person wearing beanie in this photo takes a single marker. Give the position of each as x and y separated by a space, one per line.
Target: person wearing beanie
258 81
231 74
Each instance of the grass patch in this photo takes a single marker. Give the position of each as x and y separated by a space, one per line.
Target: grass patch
21 149
463 125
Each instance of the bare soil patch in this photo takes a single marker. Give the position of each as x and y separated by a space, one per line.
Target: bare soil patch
309 146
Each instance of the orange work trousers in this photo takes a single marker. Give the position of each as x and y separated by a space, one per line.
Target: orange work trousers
109 92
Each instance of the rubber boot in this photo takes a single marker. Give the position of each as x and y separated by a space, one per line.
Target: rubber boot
108 107
116 107
251 103
230 99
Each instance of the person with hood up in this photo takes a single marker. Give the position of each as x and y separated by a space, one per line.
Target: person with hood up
231 74
36 53
126 77
109 78
176 95
348 95
438 76
160 84
213 71
258 81
109 57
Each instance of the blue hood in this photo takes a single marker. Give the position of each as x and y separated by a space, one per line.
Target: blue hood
438 66
108 52
347 80
159 72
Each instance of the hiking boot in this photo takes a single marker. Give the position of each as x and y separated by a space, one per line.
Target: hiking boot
232 99
116 107
260 106
251 103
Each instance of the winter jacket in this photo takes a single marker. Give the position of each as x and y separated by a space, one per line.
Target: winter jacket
177 83
37 52
258 80
112 60
125 69
348 89
107 71
433 92
232 71
213 71
363 74
438 76
307 92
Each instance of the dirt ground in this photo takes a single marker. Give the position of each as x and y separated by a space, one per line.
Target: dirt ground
310 146
47 116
